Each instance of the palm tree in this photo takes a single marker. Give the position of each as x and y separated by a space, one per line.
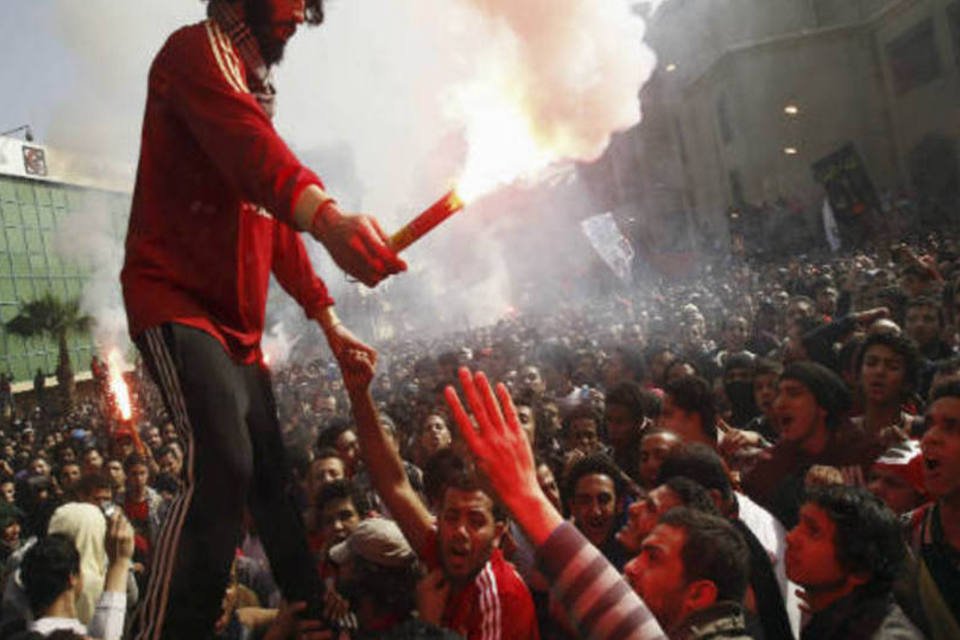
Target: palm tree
56 319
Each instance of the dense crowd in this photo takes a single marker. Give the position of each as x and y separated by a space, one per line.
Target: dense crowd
766 450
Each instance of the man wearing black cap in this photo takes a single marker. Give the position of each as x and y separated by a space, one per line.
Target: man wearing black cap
810 408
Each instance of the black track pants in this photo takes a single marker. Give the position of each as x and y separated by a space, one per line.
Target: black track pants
234 457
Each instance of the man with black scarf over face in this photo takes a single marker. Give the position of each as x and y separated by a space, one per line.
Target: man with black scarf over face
218 202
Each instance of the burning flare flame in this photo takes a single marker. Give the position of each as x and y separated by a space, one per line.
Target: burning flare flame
503 146
502 141
118 386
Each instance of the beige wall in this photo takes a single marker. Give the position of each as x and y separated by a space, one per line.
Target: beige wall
827 57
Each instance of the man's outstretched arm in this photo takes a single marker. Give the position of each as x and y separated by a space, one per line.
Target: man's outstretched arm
597 598
383 462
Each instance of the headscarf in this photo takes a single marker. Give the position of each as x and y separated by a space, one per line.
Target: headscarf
86 525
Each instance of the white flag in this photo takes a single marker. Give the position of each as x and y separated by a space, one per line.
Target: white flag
830 227
613 247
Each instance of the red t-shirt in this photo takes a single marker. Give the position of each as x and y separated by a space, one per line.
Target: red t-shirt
495 606
138 513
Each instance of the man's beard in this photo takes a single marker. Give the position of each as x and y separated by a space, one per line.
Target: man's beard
257 17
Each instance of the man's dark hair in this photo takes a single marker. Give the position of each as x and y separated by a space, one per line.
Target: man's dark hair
633 362
867 534
693 394
728 319
257 17
947 390
63 446
849 354
329 436
62 468
766 367
393 589
344 489
581 412
903 347
681 362
699 463
926 301
46 570
165 482
593 464
314 10
557 357
326 452
167 448
713 550
947 366
445 469
133 460
739 361
629 395
438 469
692 494
90 482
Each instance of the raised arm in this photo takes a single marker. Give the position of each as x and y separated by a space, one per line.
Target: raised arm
598 600
382 460
108 617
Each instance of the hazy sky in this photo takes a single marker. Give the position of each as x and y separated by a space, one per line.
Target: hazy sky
373 79
366 95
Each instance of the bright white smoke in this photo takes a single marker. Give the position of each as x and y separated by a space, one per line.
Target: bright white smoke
366 100
88 238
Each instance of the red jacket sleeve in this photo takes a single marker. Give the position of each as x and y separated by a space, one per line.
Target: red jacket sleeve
207 88
294 271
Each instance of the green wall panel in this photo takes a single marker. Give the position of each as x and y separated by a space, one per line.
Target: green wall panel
30 212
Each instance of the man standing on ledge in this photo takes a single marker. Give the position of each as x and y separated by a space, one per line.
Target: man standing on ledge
218 202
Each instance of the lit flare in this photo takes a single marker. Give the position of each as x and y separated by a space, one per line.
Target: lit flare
503 146
118 386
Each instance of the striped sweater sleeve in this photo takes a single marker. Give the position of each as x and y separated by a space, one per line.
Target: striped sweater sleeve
599 601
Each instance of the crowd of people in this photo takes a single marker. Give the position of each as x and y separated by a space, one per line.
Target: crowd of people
769 451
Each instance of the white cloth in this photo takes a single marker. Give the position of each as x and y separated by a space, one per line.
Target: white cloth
46 626
106 624
109 616
830 228
773 537
86 525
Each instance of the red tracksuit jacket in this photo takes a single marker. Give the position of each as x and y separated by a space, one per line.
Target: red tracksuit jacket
213 201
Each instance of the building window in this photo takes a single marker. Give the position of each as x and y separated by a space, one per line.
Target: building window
681 143
913 57
29 265
953 17
736 190
723 120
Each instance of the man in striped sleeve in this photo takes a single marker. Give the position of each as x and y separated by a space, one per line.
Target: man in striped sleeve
218 204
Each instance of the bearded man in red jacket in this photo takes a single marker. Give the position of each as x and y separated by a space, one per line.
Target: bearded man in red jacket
218 206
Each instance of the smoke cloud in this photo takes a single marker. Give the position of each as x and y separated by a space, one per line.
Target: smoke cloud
579 65
366 101
88 238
